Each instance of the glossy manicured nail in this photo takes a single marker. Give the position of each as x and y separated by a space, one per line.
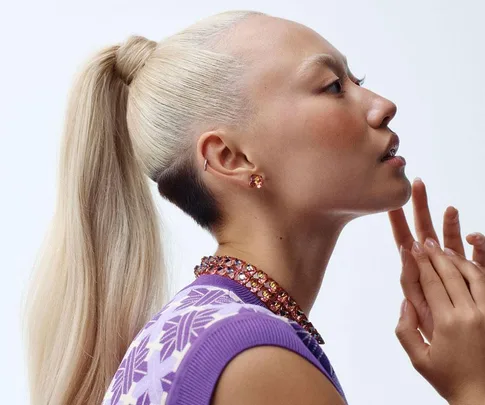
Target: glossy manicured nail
449 252
430 243
417 247
454 214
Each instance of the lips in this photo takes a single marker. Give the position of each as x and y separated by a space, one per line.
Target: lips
392 147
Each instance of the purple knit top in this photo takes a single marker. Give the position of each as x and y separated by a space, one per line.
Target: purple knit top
178 356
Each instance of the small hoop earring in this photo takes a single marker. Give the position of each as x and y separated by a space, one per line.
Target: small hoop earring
205 165
256 181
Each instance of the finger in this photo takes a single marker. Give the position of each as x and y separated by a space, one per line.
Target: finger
433 288
451 231
412 290
450 275
480 267
400 229
478 241
410 280
410 337
474 276
422 217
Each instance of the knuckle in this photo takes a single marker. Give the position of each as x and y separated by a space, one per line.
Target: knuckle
421 258
423 308
446 323
431 282
472 317
400 332
418 364
454 276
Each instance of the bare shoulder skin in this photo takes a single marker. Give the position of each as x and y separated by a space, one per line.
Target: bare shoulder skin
265 375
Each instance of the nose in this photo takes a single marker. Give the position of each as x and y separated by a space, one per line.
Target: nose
381 112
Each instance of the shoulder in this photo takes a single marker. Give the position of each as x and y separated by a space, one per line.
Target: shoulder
224 333
181 353
272 374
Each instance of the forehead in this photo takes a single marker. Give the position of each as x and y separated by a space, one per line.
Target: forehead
279 51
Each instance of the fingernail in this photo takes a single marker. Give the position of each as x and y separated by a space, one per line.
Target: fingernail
417 247
430 243
455 214
404 306
477 235
403 255
449 252
417 179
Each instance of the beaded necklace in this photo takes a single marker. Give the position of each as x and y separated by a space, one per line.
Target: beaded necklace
258 282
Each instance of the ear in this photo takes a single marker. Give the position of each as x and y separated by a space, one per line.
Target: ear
226 159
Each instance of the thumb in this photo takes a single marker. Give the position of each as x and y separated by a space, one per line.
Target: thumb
409 336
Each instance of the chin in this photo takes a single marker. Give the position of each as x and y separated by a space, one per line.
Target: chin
390 199
400 195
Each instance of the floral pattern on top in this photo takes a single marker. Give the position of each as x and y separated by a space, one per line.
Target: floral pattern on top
149 367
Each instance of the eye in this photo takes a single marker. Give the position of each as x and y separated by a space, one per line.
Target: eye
335 85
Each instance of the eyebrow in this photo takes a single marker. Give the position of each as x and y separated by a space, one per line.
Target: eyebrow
323 60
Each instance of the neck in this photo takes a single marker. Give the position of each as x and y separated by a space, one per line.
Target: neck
296 257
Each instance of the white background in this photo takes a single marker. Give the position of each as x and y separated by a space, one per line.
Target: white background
426 56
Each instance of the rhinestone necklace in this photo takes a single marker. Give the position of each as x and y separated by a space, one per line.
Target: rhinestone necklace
257 281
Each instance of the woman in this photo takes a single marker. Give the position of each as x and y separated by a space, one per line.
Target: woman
255 127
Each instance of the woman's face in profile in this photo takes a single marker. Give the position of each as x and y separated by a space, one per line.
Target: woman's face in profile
318 134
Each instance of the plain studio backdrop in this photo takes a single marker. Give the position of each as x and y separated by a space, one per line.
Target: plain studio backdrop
426 56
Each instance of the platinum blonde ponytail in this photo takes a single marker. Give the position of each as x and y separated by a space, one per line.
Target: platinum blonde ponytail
133 114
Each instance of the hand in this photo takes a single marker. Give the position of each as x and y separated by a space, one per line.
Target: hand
424 227
454 363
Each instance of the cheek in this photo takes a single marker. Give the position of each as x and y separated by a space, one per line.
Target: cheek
335 130
321 155
316 145
326 132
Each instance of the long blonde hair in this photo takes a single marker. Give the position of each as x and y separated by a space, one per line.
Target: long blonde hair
133 115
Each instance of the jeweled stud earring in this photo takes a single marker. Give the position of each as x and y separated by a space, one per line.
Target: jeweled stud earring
256 181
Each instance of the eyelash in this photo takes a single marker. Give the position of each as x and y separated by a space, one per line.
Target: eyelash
359 82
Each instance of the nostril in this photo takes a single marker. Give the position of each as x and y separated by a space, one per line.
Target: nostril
386 121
